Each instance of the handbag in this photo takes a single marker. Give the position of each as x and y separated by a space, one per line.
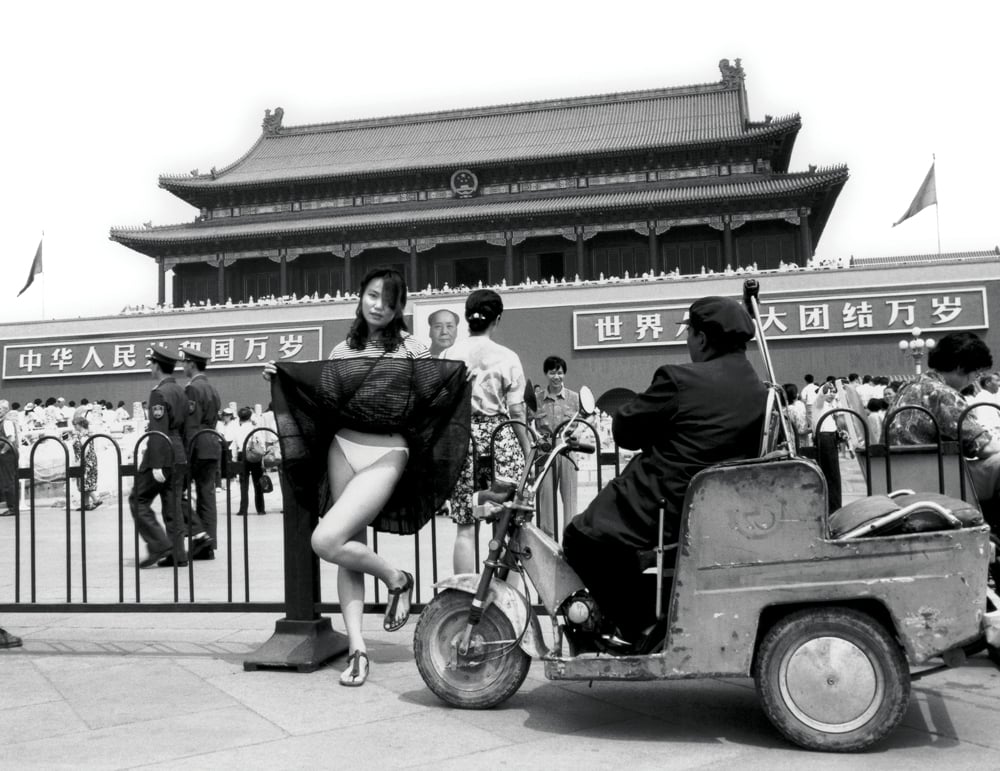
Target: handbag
272 456
266 485
256 448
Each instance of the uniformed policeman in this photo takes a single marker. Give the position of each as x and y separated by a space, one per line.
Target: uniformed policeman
161 472
205 451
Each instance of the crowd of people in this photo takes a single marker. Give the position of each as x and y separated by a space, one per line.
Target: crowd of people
814 264
74 422
876 396
959 376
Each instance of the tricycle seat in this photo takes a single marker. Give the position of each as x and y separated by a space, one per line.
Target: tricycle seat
904 512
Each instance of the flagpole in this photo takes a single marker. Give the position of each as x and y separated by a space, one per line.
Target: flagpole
43 284
937 206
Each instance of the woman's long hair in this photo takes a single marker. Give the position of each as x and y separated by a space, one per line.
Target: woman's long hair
394 295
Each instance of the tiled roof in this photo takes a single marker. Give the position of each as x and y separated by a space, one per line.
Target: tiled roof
729 190
675 117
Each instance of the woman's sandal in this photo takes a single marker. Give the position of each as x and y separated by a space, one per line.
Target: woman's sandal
357 673
390 612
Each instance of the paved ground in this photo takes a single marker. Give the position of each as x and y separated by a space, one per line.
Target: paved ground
129 691
148 690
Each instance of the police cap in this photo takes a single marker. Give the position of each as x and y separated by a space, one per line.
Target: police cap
193 354
159 353
721 318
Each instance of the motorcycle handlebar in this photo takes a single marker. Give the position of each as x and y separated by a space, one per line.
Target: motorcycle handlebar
584 447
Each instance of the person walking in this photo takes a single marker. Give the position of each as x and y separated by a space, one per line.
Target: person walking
497 396
251 454
829 433
9 451
161 472
205 449
87 460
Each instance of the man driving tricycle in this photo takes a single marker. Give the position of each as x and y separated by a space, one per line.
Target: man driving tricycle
691 417
827 613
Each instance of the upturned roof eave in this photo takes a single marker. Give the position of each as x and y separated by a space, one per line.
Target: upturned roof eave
151 241
204 183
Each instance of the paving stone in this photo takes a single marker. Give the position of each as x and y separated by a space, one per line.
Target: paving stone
399 742
44 720
166 739
132 690
22 684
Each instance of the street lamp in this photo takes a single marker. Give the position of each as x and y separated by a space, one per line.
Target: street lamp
917 347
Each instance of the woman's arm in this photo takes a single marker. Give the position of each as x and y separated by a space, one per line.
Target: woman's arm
518 412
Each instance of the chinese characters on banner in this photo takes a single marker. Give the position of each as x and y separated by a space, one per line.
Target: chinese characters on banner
112 356
793 318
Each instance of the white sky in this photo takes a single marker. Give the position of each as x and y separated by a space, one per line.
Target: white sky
102 97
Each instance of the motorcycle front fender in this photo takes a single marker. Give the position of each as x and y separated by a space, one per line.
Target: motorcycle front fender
508 601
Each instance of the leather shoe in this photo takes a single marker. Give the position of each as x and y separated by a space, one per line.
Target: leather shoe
152 558
168 562
204 554
200 546
7 640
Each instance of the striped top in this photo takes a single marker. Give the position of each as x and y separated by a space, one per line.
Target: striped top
410 348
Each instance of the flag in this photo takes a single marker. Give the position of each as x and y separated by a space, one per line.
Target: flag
926 195
36 268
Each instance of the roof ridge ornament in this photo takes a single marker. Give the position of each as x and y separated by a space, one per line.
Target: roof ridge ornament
272 123
732 74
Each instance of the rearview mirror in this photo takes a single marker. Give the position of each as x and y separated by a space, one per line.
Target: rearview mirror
587 403
529 396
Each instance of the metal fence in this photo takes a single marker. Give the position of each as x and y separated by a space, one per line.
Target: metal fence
88 563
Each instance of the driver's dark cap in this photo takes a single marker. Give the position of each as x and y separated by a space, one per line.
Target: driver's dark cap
721 318
160 354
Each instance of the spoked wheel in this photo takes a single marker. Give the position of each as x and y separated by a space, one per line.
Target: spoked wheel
832 679
991 650
491 670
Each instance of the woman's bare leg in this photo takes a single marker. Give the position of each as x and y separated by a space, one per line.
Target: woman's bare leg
340 536
351 592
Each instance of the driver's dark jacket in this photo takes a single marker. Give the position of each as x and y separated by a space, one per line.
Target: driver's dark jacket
692 416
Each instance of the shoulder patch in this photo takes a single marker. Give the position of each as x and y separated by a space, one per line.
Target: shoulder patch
158 411
191 407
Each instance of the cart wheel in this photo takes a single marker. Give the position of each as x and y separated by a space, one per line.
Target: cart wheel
991 650
491 671
832 679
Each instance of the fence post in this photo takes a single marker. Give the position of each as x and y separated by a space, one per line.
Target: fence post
303 640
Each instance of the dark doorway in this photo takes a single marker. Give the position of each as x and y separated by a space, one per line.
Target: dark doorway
551 265
471 270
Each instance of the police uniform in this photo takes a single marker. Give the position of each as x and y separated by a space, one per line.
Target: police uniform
168 408
204 404
691 417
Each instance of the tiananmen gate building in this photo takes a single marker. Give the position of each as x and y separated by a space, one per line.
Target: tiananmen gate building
599 219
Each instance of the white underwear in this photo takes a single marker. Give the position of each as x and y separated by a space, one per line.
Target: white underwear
362 454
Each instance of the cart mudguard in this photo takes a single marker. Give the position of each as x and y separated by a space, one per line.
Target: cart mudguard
510 602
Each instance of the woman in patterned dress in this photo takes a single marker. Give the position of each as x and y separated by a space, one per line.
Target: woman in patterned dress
497 395
88 477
